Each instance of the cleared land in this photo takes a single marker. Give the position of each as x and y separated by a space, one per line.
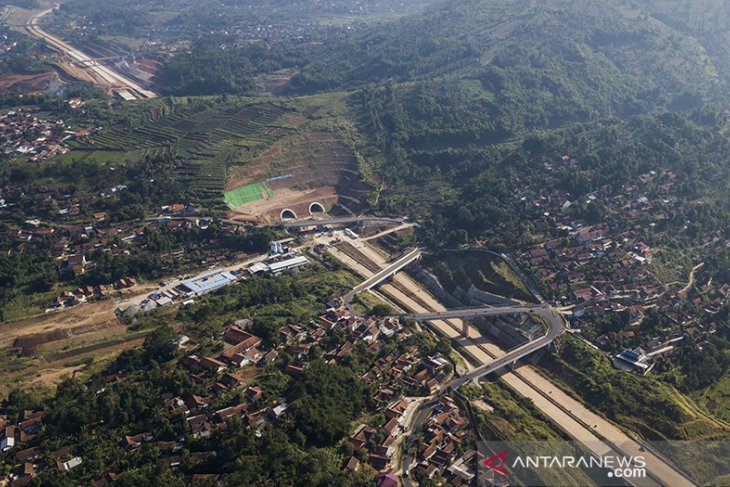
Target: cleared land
27 83
42 346
309 166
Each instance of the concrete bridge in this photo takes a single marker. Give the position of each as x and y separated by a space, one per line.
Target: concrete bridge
556 327
381 276
338 221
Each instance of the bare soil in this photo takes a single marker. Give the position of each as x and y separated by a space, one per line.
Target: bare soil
27 83
318 167
84 318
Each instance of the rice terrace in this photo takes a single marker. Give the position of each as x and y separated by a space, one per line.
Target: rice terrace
257 159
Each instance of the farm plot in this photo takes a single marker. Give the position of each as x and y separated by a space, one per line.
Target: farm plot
205 137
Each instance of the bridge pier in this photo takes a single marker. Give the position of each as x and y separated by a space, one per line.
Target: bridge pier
465 327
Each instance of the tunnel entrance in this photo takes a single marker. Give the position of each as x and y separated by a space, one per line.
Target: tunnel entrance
316 207
288 214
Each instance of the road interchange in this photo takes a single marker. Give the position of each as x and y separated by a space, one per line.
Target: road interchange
600 437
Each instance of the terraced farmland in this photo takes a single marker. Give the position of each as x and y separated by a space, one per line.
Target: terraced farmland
205 138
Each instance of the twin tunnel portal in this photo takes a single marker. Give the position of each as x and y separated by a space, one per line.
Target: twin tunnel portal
315 208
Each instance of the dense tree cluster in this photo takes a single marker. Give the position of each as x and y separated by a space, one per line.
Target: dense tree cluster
445 163
217 65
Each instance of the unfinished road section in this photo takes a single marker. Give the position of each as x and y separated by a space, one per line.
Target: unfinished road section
100 74
382 275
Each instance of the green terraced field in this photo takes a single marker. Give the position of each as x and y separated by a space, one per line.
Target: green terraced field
204 135
247 194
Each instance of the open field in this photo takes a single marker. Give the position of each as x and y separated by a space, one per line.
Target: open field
252 157
47 370
81 316
247 194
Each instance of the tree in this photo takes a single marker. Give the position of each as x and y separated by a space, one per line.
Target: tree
381 309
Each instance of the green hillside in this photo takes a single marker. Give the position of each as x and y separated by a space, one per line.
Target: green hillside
580 60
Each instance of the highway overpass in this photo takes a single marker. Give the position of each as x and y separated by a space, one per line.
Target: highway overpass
474 312
376 279
338 221
556 326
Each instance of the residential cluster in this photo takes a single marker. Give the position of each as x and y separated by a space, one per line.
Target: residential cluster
606 266
78 245
29 460
399 374
24 134
442 450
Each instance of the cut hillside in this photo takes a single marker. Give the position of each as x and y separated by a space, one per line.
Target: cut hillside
306 173
457 272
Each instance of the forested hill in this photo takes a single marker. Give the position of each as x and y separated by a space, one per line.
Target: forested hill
588 58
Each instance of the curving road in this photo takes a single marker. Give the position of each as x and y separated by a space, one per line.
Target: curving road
556 329
553 318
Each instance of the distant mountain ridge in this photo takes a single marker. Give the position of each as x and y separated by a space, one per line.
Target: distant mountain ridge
592 58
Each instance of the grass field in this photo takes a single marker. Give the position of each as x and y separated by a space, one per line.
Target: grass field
716 398
247 194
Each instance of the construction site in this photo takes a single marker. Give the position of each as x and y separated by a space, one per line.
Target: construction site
309 173
485 342
126 79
